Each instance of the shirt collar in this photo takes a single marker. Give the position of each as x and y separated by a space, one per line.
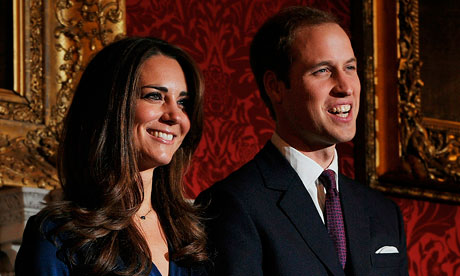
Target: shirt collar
307 169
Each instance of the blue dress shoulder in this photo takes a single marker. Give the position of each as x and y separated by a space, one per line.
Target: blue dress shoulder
39 256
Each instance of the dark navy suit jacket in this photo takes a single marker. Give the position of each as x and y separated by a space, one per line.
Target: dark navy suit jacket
263 222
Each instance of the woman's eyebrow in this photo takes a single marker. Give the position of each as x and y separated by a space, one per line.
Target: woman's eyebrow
161 88
164 89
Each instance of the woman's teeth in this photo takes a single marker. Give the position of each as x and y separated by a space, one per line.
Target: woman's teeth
162 135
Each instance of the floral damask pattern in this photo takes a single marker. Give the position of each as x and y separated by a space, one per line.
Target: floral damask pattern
217 33
433 238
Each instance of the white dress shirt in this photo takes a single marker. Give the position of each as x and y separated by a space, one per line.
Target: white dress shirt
307 169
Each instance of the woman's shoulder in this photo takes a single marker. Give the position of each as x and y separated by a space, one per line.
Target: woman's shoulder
39 252
38 228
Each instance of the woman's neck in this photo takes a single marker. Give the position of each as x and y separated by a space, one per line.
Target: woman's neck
149 224
146 177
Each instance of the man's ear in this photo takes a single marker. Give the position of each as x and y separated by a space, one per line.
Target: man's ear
273 87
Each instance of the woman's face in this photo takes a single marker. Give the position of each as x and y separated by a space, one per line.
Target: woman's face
161 122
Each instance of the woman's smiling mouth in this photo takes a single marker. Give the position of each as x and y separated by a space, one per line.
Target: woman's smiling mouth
160 134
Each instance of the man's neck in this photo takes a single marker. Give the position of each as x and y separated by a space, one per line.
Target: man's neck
323 155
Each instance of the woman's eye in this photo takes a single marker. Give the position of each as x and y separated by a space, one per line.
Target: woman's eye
156 96
183 102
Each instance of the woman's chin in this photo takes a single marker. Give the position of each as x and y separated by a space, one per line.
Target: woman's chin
154 163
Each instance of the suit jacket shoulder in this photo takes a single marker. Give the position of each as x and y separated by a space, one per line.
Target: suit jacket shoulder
262 221
260 215
268 169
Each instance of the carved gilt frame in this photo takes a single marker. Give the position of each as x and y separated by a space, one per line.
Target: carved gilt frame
52 42
424 162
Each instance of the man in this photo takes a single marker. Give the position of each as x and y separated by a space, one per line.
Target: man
274 216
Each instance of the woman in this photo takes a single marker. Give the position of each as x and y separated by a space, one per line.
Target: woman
134 122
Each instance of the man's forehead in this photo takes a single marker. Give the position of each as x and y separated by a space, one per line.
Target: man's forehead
319 38
306 32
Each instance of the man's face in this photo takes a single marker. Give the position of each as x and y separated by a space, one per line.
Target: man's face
320 107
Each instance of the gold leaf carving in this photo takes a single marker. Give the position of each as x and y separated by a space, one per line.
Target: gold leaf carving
425 161
18 112
66 35
22 165
35 59
429 153
78 38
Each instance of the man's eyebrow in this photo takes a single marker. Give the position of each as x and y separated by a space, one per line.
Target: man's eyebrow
330 63
353 59
322 63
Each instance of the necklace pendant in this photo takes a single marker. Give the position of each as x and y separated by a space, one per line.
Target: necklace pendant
144 216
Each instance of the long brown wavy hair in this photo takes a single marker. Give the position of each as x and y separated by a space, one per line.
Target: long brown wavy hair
99 175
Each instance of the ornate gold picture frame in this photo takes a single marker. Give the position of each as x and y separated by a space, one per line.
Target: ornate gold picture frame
53 41
407 152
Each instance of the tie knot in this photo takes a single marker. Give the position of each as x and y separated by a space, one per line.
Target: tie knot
327 177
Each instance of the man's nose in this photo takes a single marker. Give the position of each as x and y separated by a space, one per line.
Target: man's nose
344 84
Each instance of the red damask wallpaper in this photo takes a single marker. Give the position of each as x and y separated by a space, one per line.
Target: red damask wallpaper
217 33
433 237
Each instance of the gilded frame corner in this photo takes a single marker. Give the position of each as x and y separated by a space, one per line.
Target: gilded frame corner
428 157
52 43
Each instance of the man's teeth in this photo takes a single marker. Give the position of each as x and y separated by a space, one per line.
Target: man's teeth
341 110
163 135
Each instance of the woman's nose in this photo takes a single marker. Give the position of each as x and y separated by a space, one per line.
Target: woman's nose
172 113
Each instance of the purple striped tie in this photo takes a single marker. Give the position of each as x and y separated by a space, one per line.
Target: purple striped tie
334 218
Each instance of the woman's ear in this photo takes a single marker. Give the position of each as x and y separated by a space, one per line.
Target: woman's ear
273 87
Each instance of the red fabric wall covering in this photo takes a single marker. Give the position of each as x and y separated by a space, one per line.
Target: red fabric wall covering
217 33
433 237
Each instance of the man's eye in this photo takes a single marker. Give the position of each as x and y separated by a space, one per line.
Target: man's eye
156 96
351 67
321 71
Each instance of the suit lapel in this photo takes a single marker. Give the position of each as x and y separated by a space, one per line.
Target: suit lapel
298 206
356 227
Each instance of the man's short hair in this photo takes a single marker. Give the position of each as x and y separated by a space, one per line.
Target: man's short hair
271 46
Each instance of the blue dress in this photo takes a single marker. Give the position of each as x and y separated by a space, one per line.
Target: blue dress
38 256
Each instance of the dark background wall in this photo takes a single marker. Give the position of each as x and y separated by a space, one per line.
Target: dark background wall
217 33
